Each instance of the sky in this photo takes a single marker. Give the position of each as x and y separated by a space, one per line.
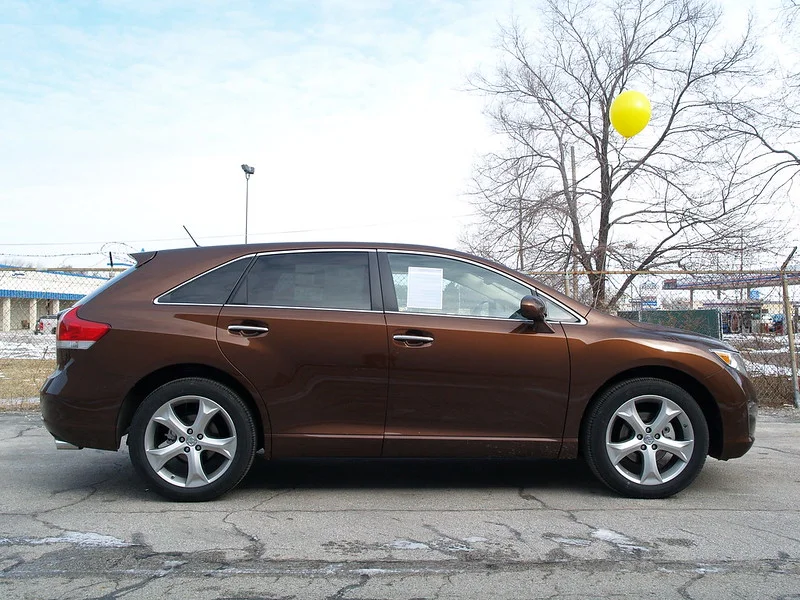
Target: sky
121 121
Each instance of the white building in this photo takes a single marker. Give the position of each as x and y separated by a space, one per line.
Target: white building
27 295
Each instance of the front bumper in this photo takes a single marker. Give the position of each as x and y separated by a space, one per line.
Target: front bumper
738 407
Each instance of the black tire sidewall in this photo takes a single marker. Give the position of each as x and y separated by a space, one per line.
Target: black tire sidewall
602 412
245 437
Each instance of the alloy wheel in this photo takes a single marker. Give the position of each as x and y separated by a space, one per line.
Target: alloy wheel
190 441
650 440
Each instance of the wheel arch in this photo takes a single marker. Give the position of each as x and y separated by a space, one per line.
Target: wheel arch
157 378
692 386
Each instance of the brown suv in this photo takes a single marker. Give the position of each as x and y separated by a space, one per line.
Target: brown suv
203 356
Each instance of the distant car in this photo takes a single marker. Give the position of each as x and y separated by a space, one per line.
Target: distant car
46 324
203 356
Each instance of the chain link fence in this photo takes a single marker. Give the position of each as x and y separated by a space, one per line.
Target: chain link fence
747 309
30 302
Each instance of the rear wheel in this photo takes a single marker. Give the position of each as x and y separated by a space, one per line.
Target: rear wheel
192 439
646 438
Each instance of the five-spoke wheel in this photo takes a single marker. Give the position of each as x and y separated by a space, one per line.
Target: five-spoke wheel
646 438
193 439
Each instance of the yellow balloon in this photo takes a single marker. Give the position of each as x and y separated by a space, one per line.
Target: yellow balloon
630 113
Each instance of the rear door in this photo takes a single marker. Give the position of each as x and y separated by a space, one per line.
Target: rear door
307 329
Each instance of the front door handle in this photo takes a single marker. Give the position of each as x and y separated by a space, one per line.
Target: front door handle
247 330
413 340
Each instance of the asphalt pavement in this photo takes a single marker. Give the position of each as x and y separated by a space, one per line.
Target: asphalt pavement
81 524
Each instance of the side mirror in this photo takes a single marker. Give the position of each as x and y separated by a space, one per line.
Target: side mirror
533 308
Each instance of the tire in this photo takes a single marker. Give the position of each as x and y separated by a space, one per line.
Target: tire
645 438
189 454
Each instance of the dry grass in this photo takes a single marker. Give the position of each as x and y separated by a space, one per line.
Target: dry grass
21 378
773 392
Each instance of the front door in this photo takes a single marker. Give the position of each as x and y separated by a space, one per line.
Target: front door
302 327
468 375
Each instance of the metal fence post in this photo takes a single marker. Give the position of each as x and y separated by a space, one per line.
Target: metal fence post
789 321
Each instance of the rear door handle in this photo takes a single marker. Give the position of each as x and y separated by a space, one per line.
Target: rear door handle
415 340
247 330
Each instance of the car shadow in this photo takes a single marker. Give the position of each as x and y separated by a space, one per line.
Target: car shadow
344 473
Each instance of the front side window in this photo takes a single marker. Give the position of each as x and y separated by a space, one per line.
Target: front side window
446 286
437 285
336 280
212 287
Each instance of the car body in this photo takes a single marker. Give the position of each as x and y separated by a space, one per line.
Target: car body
202 356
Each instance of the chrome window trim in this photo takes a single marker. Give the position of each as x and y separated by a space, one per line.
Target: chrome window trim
357 310
186 303
307 250
581 319
157 299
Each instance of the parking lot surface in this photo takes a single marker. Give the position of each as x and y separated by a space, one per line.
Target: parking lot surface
83 525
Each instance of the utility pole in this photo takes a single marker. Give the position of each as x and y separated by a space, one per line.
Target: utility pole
789 324
248 170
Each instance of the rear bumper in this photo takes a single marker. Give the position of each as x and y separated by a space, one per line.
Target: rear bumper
72 417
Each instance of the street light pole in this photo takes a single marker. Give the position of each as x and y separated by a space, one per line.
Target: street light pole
248 170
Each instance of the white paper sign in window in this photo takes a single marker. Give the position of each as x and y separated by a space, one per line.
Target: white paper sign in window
425 288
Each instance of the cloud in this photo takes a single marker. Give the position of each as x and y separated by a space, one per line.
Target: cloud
124 120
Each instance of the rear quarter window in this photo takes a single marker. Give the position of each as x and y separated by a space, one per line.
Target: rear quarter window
212 287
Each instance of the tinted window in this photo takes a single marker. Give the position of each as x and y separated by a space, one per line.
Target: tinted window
212 287
308 280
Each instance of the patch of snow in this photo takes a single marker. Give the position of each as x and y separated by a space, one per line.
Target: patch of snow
408 545
704 570
457 548
372 571
571 541
622 542
18 401
768 370
24 344
82 540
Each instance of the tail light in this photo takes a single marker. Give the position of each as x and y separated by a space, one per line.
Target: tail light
78 334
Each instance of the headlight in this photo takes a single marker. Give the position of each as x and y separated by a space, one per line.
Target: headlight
732 359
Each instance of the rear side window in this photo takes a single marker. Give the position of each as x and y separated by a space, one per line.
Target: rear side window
338 280
212 287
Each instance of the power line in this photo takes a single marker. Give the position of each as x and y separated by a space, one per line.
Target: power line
236 235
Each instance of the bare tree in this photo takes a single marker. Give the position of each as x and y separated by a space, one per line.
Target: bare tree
677 192
768 117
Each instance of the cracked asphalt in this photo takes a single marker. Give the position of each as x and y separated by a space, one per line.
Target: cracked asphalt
82 525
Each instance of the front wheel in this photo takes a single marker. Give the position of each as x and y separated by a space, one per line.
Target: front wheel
192 439
645 438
